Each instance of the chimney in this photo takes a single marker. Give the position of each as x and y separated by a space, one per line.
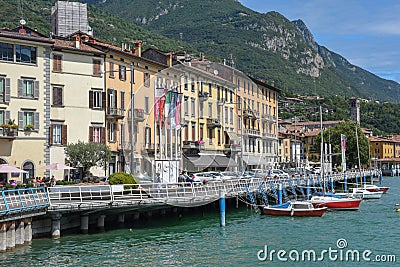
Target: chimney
138 48
169 59
77 40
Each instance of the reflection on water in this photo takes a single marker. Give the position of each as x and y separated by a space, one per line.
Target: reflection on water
197 240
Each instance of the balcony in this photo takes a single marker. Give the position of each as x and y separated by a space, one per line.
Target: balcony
193 145
203 96
232 147
113 112
213 123
248 113
8 133
256 115
138 115
252 132
184 123
266 117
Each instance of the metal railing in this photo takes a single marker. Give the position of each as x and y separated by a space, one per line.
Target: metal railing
21 200
158 194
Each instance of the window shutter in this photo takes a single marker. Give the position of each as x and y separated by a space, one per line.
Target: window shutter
36 89
7 92
20 87
103 100
36 120
115 98
64 135
51 134
6 116
90 134
20 120
103 135
90 99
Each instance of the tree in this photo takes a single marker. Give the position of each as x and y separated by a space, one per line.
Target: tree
87 155
348 128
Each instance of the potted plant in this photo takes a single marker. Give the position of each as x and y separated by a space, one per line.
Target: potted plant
29 127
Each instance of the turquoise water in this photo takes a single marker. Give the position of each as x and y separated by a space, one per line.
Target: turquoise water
197 240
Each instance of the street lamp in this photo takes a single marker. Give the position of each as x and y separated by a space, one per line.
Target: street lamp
132 163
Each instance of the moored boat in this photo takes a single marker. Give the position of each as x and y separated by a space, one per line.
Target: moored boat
333 202
375 188
295 209
361 193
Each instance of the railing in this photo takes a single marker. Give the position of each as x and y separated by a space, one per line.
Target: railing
161 194
252 132
115 112
138 115
21 200
8 132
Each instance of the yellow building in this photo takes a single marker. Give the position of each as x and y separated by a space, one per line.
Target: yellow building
24 100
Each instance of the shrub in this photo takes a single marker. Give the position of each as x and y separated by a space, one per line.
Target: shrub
28 185
122 178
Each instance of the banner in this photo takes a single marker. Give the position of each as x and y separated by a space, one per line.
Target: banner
159 103
343 140
178 111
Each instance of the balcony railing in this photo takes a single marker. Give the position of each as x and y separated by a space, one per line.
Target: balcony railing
203 96
251 132
213 123
8 133
138 115
115 112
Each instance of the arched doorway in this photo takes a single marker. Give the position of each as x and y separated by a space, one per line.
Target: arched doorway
3 176
30 168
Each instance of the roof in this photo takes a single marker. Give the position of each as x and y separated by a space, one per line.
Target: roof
25 33
70 45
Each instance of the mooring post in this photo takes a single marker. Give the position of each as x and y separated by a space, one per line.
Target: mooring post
222 207
280 193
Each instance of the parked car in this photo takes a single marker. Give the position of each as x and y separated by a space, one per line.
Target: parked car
202 177
279 173
229 175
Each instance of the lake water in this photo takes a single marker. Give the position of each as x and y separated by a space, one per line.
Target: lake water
198 240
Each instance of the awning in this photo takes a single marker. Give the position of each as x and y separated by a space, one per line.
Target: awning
253 160
233 136
196 163
224 161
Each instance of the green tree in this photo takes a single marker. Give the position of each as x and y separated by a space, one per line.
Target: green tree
86 155
348 128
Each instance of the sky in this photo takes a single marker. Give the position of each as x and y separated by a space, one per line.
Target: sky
365 32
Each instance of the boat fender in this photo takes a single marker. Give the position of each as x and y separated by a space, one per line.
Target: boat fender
398 210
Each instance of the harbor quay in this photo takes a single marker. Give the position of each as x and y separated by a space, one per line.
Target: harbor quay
52 211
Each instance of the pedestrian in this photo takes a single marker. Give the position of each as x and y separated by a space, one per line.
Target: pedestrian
157 180
52 181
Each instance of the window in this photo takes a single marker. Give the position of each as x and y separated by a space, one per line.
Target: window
6 52
111 132
147 137
193 107
226 115
146 105
28 117
96 99
219 137
209 90
147 79
219 112
28 88
57 96
210 115
122 134
25 54
111 66
57 59
96 134
186 84
2 117
58 134
231 116
122 73
239 123
96 67
186 133
193 131
30 169
186 106
122 100
201 109
193 86
201 131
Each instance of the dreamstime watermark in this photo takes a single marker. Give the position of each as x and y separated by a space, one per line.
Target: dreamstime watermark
338 253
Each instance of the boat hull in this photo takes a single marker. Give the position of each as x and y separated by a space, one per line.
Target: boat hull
377 189
316 212
336 203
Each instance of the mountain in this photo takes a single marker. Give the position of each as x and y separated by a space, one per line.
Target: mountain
266 46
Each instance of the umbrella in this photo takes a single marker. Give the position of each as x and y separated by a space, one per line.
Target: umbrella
5 168
57 166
